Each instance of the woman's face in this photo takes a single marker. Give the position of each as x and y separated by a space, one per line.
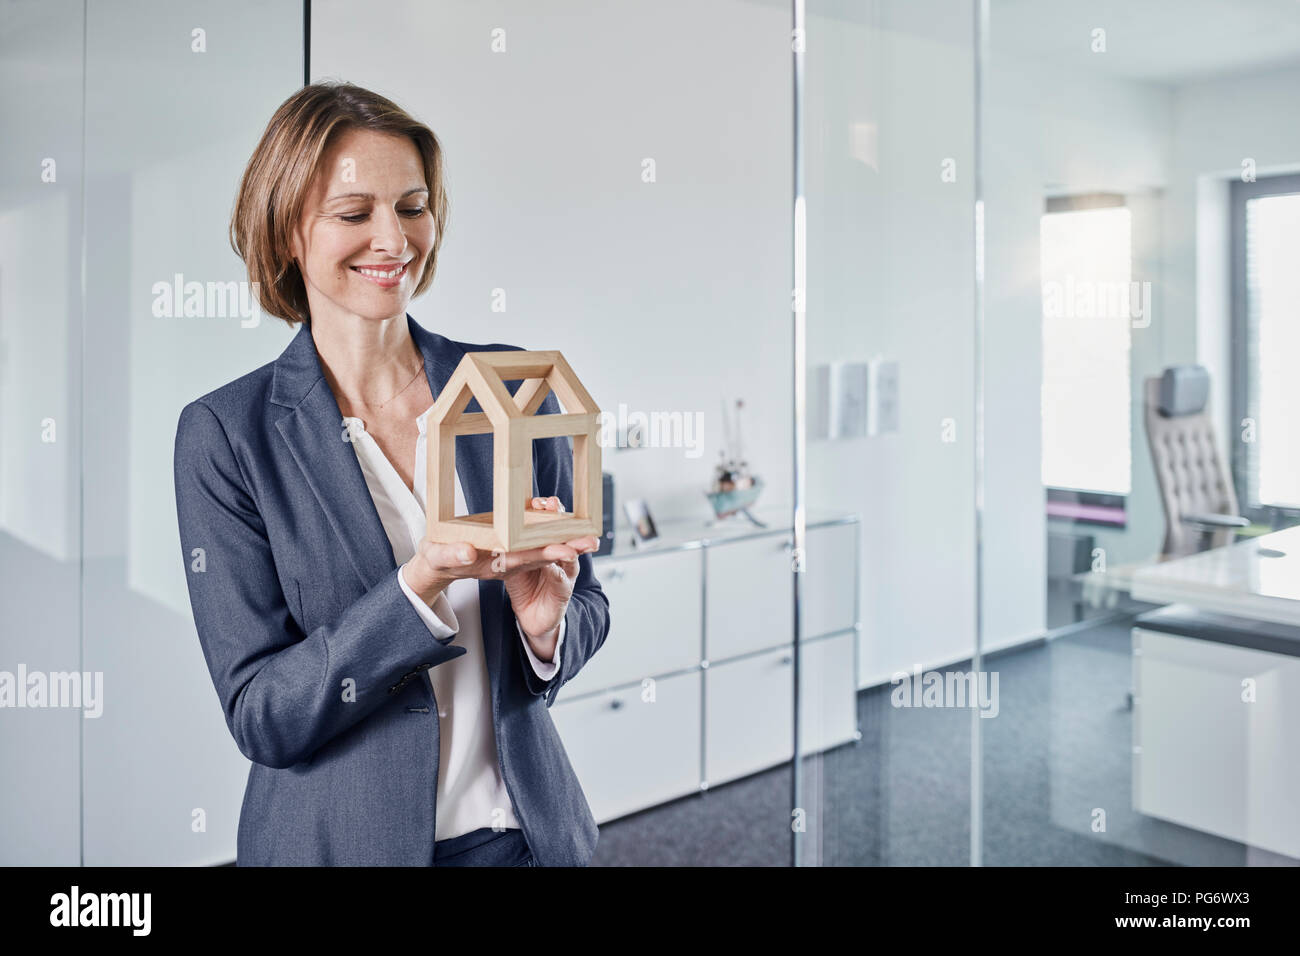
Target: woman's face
368 209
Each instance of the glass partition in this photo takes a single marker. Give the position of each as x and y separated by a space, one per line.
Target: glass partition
891 434
163 161
126 129
1139 197
40 424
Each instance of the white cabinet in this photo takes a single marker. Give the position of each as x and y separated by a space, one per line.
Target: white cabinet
830 580
631 748
1205 757
828 713
654 621
750 590
748 706
705 627
749 596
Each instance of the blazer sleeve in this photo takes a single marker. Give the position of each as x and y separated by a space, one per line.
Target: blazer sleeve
586 620
284 693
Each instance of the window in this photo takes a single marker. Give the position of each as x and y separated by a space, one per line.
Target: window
1266 344
1088 311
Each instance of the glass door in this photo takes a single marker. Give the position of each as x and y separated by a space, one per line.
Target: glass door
889 694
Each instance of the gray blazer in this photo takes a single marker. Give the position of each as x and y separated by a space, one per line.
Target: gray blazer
317 656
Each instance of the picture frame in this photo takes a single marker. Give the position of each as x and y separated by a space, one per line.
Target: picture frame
638 515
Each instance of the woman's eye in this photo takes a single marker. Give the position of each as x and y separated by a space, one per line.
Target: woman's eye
361 216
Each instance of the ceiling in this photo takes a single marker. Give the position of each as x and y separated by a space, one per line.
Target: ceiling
1163 41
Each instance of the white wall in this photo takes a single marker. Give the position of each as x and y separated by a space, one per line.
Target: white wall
664 296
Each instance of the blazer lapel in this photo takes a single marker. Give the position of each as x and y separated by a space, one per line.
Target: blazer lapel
314 432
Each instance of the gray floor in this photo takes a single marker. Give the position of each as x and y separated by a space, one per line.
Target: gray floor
1057 752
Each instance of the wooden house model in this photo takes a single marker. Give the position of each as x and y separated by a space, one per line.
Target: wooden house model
512 420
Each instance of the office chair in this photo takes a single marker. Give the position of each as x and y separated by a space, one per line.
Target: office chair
1196 489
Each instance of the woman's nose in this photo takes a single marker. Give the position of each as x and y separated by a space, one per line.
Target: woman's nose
390 236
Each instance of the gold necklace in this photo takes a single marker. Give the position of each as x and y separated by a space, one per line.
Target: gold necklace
419 369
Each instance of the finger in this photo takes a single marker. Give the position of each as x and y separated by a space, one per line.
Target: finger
507 563
570 568
553 553
456 555
560 551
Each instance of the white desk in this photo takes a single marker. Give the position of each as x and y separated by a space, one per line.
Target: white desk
1258 578
1216 685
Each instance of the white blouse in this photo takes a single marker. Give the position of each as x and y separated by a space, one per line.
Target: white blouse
471 792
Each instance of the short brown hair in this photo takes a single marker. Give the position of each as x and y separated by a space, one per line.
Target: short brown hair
283 167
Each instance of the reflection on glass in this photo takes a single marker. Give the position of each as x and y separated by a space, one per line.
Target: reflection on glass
1273 300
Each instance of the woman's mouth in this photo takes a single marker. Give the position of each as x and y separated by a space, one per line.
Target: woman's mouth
384 276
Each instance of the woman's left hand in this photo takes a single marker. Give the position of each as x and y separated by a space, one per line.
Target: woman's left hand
540 595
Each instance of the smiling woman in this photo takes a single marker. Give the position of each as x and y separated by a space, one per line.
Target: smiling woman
393 693
380 171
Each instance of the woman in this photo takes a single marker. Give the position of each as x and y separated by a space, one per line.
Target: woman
392 693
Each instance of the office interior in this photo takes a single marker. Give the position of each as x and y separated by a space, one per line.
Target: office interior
1022 428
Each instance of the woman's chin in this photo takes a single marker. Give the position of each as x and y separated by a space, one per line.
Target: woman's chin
381 311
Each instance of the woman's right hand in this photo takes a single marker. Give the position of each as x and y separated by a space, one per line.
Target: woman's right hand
434 566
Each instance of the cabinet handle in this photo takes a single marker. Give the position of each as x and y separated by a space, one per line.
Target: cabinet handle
615 704
786 659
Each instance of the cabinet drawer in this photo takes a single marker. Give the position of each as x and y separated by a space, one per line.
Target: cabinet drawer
749 705
750 590
828 713
830 580
654 620
630 754
750 601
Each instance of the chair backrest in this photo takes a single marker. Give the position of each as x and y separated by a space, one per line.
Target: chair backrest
1192 475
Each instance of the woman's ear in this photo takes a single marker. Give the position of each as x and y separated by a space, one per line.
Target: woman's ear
295 249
